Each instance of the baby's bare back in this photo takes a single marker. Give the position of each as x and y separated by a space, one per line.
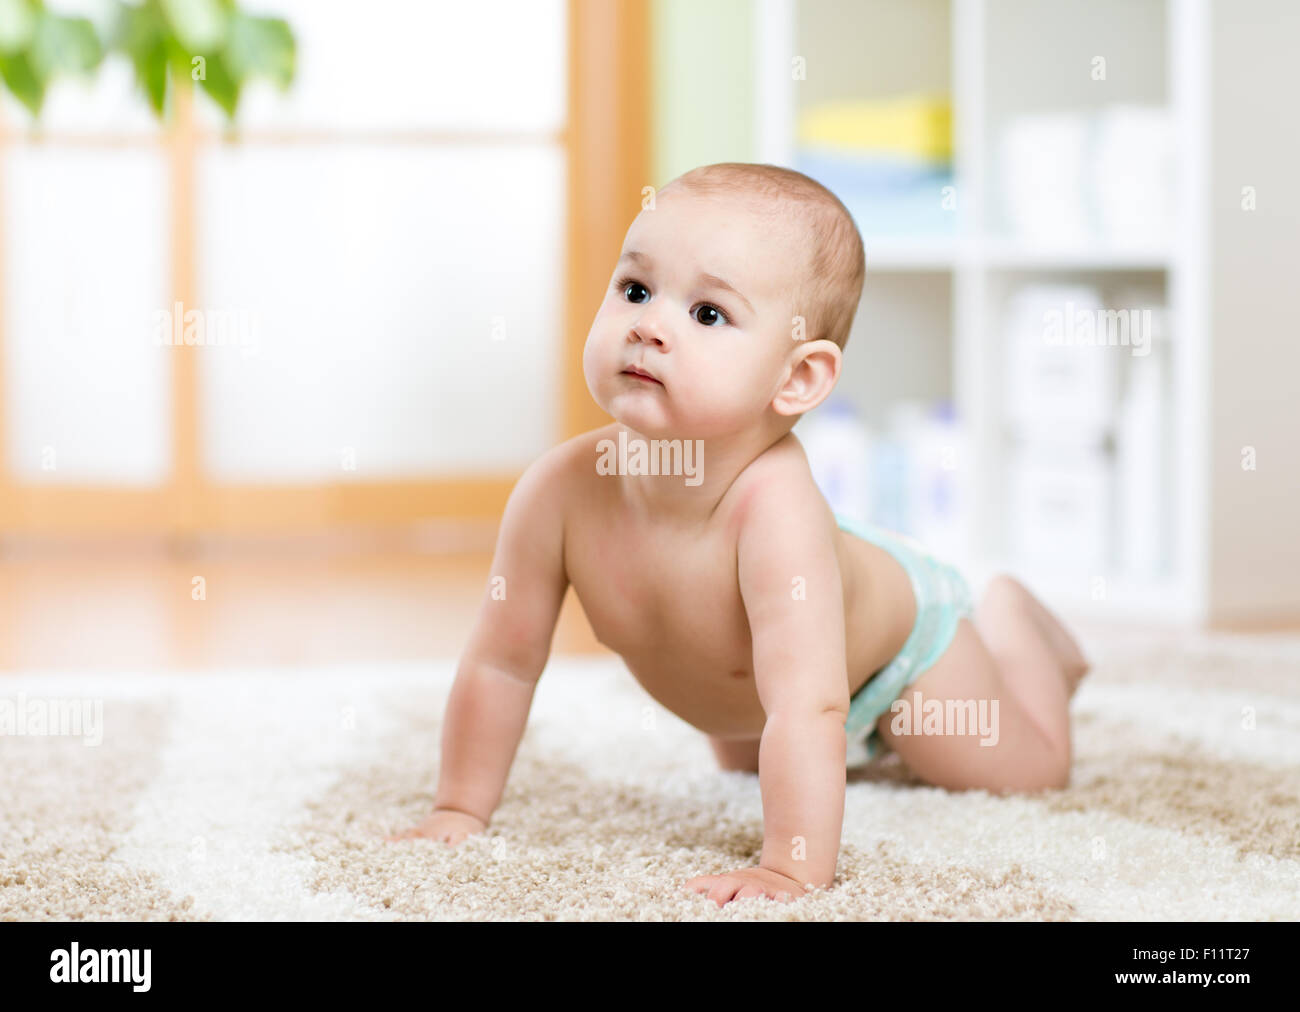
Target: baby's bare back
666 596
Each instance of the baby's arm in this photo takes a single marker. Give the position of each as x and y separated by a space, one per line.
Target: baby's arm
790 582
507 650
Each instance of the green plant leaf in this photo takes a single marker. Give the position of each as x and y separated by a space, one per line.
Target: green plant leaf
178 56
141 34
22 80
208 41
261 47
223 86
199 25
65 45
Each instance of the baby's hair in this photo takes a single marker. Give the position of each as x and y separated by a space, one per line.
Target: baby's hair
828 295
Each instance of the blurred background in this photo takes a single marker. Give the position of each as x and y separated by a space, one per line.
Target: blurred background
291 292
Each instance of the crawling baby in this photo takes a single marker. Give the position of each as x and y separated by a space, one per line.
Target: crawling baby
703 553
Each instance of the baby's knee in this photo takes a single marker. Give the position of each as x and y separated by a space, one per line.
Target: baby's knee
1052 773
1056 777
1049 778
1046 769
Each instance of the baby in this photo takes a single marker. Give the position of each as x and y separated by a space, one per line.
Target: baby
733 593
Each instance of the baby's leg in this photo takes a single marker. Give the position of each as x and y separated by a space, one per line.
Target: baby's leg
1023 658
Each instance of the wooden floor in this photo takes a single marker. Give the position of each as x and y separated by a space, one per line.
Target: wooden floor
126 608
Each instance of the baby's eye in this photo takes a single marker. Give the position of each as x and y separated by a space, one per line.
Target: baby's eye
632 287
710 316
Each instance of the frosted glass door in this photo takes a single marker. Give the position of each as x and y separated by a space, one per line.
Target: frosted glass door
87 397
391 236
404 307
378 259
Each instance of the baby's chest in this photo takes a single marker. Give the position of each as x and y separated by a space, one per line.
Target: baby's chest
672 597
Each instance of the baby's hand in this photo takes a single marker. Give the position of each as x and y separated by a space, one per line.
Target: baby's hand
445 824
737 885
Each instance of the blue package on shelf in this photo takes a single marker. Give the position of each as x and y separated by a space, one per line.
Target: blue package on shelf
886 194
868 170
903 214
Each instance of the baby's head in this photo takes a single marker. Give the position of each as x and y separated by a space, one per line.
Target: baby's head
736 292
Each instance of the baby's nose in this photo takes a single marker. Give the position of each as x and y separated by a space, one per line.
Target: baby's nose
648 330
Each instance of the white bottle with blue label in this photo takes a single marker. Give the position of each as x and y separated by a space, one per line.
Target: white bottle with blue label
838 444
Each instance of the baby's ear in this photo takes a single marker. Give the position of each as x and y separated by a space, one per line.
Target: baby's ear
813 370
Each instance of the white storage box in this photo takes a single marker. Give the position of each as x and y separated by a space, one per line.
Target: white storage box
1059 381
1060 510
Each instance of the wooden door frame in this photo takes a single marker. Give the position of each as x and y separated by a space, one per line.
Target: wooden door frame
608 153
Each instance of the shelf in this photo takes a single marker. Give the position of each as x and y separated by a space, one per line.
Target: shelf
932 319
1019 254
893 253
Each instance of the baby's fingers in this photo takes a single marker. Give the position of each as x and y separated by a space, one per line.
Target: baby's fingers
724 891
700 884
719 888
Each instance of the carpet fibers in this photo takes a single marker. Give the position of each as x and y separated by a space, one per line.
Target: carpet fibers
266 794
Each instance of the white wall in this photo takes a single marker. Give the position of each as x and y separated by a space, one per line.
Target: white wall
1255 263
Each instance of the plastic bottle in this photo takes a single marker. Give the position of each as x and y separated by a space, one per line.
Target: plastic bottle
839 445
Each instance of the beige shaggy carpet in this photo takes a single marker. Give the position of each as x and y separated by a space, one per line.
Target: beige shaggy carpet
266 794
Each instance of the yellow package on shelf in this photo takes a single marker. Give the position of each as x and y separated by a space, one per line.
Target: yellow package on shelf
916 125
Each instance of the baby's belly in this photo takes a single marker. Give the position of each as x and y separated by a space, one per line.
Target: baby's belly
719 698
699 665
692 652
704 671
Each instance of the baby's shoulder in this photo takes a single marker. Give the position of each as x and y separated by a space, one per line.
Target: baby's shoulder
566 472
778 483
577 455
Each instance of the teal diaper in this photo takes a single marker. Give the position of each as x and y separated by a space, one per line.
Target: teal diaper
942 600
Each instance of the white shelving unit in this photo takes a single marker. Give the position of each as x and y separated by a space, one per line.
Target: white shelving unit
945 297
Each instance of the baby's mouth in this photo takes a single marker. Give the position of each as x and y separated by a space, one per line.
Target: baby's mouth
640 374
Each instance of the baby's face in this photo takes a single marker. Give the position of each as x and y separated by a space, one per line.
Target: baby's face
701 300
